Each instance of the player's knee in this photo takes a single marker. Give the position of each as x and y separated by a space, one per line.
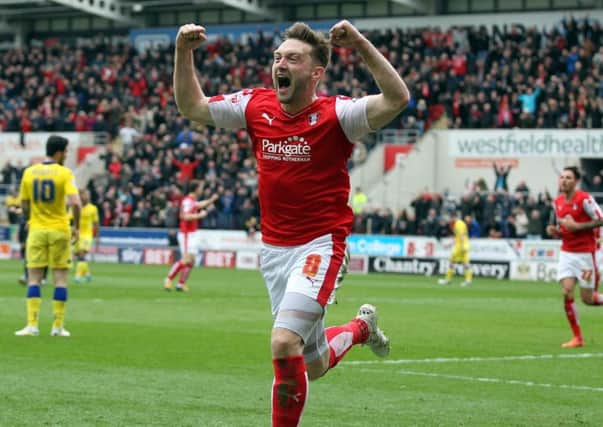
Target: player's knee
285 343
189 259
588 299
317 368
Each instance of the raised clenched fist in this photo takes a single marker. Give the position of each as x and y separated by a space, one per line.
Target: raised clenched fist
190 36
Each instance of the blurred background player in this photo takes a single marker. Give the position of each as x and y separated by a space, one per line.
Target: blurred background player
191 211
45 188
89 226
460 251
577 215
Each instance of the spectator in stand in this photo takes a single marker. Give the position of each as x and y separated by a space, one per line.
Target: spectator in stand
186 169
493 229
473 227
522 188
535 225
359 201
184 137
521 222
509 227
411 224
128 133
172 213
387 217
502 173
401 225
115 168
431 224
529 100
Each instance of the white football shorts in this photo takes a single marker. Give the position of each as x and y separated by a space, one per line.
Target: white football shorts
581 265
310 269
188 242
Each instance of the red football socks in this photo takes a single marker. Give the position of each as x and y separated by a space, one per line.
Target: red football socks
289 391
175 269
186 270
342 338
572 317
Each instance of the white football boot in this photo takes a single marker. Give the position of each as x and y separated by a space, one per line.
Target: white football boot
377 341
60 332
28 331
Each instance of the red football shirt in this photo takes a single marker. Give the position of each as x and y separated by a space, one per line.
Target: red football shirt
582 208
303 183
188 206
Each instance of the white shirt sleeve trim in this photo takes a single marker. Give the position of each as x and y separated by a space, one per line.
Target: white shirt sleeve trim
353 117
229 111
592 208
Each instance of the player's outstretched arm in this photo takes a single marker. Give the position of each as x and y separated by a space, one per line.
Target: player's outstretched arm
202 204
394 96
26 209
190 99
571 225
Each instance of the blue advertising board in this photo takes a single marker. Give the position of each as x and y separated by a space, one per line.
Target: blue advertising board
374 245
5 233
133 237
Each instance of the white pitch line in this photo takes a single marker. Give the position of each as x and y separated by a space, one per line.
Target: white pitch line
475 359
501 381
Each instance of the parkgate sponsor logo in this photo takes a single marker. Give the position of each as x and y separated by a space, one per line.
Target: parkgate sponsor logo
291 149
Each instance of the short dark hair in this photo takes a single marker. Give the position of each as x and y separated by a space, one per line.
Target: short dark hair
55 144
321 48
574 170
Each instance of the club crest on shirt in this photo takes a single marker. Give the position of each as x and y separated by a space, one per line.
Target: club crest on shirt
313 118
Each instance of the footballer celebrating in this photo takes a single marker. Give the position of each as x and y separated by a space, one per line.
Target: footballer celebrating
302 143
577 215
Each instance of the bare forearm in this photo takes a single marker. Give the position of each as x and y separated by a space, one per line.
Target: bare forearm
390 83
76 210
25 209
202 204
595 223
187 90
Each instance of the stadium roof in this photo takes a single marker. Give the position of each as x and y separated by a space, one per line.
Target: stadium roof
126 11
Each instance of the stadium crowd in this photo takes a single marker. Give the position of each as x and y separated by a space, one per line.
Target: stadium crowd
488 213
508 77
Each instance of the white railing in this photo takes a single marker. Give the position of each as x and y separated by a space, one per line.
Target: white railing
398 136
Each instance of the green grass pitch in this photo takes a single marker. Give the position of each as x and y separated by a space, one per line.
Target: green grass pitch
483 356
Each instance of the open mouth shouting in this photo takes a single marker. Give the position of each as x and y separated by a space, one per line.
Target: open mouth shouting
283 83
